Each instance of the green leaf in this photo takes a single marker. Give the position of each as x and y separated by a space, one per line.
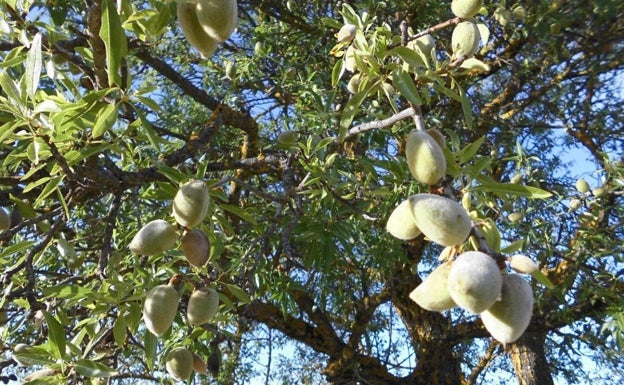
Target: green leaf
466 107
411 57
35 355
49 188
351 109
119 330
511 189
9 87
513 247
151 348
69 292
105 120
239 213
403 81
56 335
468 152
90 368
33 66
541 278
114 39
238 293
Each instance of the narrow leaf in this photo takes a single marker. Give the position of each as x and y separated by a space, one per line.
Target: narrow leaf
33 66
105 120
119 331
90 368
403 81
411 57
511 189
56 335
9 87
114 39
541 278
238 293
468 152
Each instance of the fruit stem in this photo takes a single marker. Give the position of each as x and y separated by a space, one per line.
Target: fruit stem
418 118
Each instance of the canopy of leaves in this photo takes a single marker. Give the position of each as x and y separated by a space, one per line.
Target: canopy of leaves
106 110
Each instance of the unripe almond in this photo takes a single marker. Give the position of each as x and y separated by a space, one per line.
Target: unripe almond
432 294
202 306
218 18
179 363
466 8
599 192
582 186
192 30
425 44
425 158
288 138
346 33
350 59
5 219
160 308
153 238
401 222
522 264
575 204
39 374
19 349
199 364
465 39
196 247
515 217
190 205
354 83
437 136
475 281
441 219
508 318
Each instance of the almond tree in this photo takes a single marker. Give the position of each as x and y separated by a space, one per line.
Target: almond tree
297 124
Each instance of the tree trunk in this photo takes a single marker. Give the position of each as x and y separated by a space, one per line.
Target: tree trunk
529 360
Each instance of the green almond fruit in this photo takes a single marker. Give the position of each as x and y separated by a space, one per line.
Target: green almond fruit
425 158
522 264
199 364
582 186
154 238
192 29
465 39
218 18
179 363
432 294
18 350
401 222
466 8
190 204
202 306
354 83
441 219
508 318
437 136
5 219
475 281
288 138
196 247
160 308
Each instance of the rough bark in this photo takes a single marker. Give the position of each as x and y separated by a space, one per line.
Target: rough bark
529 360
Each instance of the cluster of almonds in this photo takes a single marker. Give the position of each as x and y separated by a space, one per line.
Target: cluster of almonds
465 41
205 23
473 280
190 207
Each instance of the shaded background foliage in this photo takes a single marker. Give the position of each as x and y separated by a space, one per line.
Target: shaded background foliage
313 289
